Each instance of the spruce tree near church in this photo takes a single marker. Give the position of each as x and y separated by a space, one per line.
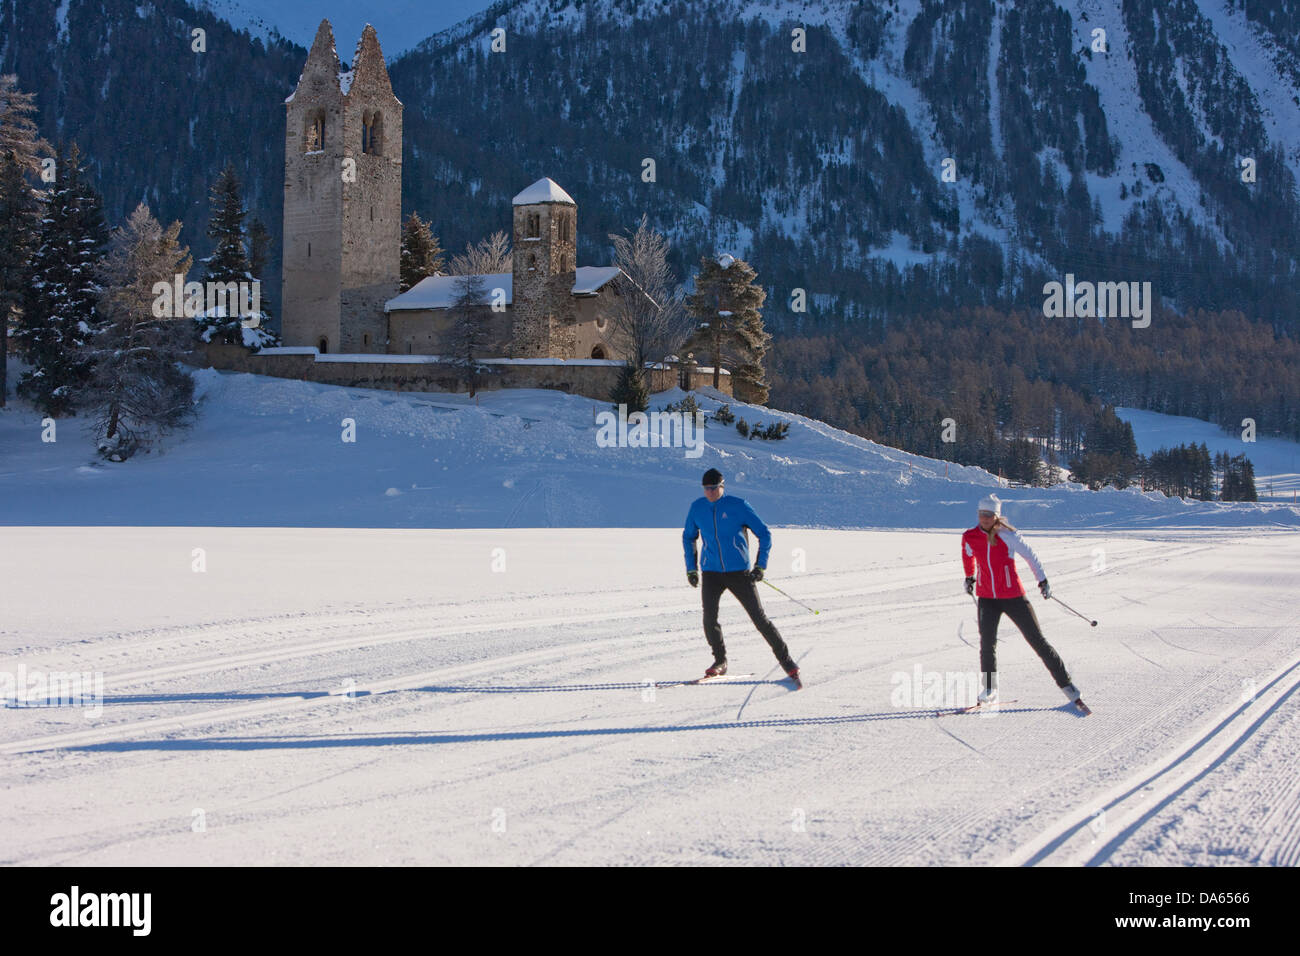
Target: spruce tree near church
729 328
233 248
60 302
422 254
19 204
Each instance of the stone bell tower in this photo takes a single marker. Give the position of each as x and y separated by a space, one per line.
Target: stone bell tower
342 199
545 244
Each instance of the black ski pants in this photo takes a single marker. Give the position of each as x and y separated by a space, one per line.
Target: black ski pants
1022 615
712 584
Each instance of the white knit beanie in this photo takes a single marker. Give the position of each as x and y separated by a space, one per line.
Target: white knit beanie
991 503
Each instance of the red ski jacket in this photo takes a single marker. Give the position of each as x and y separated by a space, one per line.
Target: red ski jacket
996 562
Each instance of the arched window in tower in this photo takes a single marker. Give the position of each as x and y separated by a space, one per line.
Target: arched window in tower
598 352
564 227
372 132
313 133
534 226
323 345
532 262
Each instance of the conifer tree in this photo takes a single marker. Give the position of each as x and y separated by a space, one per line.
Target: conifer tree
631 389
229 260
137 392
60 302
422 255
467 339
259 247
231 263
19 212
729 325
19 207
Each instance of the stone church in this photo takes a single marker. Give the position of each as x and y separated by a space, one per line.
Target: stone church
343 236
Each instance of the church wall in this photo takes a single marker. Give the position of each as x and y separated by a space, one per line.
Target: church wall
591 328
592 381
427 330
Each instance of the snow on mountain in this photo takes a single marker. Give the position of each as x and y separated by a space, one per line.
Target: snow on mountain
270 452
1143 155
400 23
1257 58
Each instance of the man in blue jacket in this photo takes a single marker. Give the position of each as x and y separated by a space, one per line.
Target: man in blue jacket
720 520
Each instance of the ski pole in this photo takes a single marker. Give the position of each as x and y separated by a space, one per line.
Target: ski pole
1072 610
796 600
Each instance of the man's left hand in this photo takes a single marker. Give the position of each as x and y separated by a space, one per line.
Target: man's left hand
756 575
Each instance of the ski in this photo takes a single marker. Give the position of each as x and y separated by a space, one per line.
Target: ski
1082 708
717 678
973 708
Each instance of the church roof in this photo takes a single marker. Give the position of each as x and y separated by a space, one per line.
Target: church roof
440 292
544 190
589 279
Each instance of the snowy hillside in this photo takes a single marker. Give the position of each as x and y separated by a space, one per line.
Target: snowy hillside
270 452
1276 460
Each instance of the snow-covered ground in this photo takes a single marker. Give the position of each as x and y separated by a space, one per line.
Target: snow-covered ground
463 638
512 696
1276 460
271 453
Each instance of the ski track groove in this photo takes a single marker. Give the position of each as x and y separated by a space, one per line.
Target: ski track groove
1068 824
664 643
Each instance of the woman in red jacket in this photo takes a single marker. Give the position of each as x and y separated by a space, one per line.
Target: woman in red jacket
991 549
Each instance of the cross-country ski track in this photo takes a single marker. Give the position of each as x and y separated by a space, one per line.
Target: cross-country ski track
384 713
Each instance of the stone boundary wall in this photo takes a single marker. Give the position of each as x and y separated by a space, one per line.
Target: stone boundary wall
591 378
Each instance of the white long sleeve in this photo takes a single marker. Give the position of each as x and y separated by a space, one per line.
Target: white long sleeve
1017 545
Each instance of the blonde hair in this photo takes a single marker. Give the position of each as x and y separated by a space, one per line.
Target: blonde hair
998 524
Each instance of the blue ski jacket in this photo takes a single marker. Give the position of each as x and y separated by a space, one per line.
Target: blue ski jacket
721 524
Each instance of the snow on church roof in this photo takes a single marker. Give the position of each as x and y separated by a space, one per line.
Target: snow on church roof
589 279
440 292
544 190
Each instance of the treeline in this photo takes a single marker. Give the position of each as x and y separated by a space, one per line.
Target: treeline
1187 471
1015 386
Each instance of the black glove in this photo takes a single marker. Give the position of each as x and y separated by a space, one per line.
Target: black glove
756 575
1045 588
694 578
970 585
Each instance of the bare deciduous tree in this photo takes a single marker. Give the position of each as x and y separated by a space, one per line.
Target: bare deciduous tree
648 319
489 256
